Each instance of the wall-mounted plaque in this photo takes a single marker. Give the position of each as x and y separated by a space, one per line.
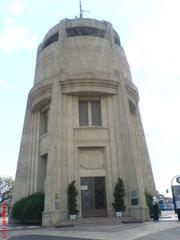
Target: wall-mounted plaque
84 187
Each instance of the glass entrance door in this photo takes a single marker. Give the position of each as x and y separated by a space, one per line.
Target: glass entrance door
93 197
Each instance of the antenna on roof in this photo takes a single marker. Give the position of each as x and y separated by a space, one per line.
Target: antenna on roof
81 10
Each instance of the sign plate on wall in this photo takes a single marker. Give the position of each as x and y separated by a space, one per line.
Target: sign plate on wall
134 198
178 179
84 187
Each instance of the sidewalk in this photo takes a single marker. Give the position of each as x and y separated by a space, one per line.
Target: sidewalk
99 228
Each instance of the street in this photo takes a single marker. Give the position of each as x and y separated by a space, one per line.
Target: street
102 229
41 237
163 235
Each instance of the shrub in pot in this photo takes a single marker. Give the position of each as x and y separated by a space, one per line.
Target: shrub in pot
72 201
119 193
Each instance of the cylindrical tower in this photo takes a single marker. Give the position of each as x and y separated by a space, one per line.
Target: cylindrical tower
83 123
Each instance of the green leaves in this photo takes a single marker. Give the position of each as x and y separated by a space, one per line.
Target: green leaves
29 209
149 200
119 193
72 202
6 187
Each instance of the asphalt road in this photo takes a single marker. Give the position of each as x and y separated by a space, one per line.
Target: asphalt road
163 235
43 237
173 234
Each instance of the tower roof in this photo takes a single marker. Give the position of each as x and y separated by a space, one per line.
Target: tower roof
83 27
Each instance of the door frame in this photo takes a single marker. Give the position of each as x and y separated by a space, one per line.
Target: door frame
93 212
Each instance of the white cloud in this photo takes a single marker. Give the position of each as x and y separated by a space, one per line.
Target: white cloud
155 44
1 82
5 85
60 15
16 37
8 21
17 8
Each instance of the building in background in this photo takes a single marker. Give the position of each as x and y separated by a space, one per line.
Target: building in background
82 123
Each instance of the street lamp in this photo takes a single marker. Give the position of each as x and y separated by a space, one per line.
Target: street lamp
175 186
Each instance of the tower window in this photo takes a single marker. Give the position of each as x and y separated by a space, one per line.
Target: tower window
132 107
85 31
42 172
83 113
44 159
44 121
90 113
51 40
117 39
96 113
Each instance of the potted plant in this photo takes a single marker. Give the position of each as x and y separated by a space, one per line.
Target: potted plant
72 202
119 193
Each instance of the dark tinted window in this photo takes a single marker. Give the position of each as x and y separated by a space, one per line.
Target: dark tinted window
83 113
132 107
51 39
117 39
44 122
82 31
96 113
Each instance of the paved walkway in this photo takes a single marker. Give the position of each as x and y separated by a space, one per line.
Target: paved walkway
173 234
102 229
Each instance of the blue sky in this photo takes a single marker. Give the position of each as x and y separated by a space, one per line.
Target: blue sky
150 35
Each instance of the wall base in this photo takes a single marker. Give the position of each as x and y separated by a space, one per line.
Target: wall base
141 214
53 218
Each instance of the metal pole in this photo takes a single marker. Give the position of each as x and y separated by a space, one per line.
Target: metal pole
81 12
177 209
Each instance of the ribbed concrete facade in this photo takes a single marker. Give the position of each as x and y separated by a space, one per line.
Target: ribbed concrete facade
82 123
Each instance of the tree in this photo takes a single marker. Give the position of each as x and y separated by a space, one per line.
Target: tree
119 193
72 202
149 200
6 188
29 209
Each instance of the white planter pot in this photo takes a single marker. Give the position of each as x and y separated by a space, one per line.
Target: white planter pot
118 214
72 217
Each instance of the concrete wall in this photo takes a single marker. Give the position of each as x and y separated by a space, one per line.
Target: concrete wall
85 67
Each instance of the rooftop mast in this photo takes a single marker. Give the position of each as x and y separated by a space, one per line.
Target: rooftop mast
81 11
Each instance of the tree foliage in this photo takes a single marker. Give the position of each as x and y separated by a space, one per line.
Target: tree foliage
119 193
29 209
149 200
72 202
6 187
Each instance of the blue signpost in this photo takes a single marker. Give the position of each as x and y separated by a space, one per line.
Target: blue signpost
175 186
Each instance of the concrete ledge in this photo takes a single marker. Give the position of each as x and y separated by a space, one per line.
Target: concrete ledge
132 221
64 225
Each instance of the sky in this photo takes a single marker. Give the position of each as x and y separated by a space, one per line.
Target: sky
150 35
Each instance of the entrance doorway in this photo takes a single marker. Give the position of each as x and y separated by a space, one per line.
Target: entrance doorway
93 197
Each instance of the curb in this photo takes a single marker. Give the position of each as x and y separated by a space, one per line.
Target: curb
19 228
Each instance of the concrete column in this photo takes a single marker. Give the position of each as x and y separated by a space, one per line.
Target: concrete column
35 152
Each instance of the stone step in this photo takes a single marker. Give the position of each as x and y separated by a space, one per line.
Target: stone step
97 221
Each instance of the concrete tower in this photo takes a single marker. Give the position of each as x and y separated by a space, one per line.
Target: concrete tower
82 123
